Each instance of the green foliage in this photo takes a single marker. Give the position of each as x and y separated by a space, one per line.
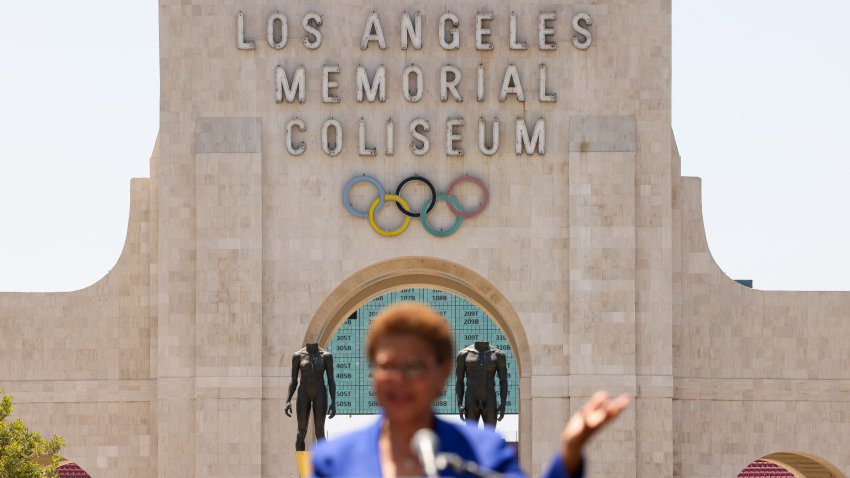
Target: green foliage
25 454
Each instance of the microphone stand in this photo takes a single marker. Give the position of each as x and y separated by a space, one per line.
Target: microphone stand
458 464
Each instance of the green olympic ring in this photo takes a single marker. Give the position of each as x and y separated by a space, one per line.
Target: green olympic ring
424 217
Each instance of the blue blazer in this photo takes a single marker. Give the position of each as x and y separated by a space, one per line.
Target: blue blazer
356 454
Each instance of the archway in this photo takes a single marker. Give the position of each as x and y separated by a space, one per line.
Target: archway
427 272
469 324
791 464
430 273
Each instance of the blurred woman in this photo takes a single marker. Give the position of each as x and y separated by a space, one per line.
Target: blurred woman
410 350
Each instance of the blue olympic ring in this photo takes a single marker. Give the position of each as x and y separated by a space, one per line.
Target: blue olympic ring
427 206
361 179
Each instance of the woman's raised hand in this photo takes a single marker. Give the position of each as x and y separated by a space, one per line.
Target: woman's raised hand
592 416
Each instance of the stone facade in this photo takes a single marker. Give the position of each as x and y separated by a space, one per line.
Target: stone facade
591 257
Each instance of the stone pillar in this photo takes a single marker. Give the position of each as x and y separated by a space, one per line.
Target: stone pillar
175 301
603 278
228 321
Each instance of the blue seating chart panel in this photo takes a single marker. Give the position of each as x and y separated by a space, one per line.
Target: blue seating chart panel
469 324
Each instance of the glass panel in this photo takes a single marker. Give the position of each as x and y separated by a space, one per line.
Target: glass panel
469 323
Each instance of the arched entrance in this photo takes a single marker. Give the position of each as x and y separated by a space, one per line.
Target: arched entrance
469 323
791 463
430 273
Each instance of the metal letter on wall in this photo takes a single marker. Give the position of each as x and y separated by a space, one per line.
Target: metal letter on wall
285 89
482 135
417 128
450 85
362 148
277 41
405 83
373 32
582 44
544 31
329 84
240 34
335 148
545 97
454 42
291 147
377 89
411 30
309 20
511 85
514 43
537 141
453 136
482 31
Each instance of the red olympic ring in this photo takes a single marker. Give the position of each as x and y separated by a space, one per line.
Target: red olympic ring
485 196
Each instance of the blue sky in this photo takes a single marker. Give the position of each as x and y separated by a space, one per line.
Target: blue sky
760 99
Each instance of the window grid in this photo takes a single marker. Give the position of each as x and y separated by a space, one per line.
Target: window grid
468 322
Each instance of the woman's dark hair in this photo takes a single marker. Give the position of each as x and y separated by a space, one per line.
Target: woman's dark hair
415 319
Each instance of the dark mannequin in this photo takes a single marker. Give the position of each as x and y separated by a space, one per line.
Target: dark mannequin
480 363
312 363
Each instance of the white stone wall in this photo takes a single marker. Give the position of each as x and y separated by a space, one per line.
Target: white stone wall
78 364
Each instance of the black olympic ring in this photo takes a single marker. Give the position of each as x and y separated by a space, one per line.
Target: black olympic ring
421 180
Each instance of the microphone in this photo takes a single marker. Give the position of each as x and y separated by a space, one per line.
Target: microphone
425 444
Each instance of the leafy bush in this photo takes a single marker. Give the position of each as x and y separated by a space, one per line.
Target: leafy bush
25 454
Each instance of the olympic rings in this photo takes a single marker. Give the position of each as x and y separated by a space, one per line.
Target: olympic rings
427 206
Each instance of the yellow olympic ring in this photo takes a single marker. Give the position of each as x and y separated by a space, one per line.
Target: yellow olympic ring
395 232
